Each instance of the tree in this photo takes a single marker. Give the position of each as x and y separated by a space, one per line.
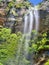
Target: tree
8 45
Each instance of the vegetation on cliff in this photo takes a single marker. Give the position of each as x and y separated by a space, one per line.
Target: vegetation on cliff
11 36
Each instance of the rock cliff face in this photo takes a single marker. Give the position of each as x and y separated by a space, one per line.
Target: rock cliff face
44 21
44 16
20 1
18 13
2 16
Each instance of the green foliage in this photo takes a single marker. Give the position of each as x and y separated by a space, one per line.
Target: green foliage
11 4
0 1
39 43
8 44
21 5
1 64
47 63
17 5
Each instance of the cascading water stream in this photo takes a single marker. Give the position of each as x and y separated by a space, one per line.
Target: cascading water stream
28 27
36 14
27 30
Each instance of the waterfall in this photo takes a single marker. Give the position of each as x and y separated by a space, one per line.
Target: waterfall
23 51
28 24
28 27
36 14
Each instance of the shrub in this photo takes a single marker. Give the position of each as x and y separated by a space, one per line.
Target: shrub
8 44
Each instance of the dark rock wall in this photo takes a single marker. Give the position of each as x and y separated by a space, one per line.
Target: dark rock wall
17 25
44 21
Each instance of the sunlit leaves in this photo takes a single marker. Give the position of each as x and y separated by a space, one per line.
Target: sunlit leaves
34 47
8 44
11 4
14 12
39 43
1 64
47 63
